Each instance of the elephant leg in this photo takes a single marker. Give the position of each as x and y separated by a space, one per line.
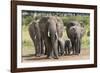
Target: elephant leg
49 52
42 47
73 48
62 52
48 48
68 50
65 50
45 47
76 46
35 45
46 52
79 47
55 51
37 51
59 48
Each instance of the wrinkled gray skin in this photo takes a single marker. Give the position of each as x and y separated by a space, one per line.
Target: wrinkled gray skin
61 47
75 32
51 29
64 47
34 32
68 46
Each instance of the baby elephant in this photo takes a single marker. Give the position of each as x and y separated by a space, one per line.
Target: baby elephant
67 47
64 47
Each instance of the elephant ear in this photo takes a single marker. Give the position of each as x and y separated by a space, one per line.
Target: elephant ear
82 24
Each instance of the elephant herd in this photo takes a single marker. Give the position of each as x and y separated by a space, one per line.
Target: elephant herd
46 33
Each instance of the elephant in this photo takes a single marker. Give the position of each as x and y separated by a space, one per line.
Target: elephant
34 32
51 28
68 46
64 47
75 34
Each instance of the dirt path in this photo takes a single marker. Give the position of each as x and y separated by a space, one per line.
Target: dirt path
84 55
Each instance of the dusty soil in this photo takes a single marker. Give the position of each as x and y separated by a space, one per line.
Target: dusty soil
85 53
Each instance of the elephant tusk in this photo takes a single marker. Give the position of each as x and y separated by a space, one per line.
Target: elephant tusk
48 34
35 36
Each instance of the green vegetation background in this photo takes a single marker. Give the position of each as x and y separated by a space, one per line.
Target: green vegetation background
28 45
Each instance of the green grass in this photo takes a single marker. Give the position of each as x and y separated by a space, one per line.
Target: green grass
85 41
27 44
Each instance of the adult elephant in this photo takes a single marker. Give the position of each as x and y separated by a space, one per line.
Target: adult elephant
34 32
75 32
51 28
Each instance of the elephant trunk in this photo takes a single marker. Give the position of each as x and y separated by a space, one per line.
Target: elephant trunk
54 41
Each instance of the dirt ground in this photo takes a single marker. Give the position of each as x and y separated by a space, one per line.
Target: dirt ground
85 53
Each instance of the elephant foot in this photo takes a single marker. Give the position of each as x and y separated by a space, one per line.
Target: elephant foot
61 54
71 53
37 55
55 57
68 53
42 54
65 54
49 57
77 53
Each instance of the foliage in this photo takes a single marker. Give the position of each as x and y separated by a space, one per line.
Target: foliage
26 20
